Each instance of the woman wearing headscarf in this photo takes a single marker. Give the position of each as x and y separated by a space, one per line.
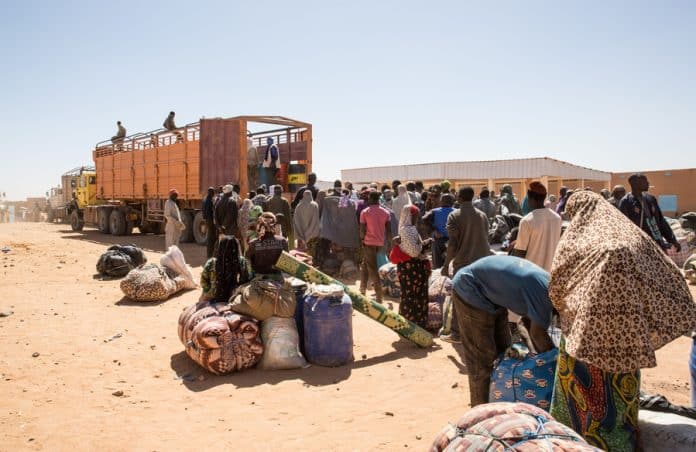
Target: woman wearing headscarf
306 222
401 200
413 269
263 252
620 298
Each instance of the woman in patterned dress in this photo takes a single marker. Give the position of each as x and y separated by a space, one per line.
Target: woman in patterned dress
620 298
414 272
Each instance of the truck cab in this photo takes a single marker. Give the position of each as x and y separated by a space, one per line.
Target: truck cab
85 192
80 191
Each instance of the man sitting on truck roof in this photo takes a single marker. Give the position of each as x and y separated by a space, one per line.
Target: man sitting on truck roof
169 122
120 135
171 126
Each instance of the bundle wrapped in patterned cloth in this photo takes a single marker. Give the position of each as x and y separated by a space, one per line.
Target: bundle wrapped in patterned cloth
439 287
218 339
526 379
390 280
263 298
504 426
151 282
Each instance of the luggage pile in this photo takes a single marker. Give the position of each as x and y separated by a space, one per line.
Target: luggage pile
259 325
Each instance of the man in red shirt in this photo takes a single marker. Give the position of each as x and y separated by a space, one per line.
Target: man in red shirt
375 229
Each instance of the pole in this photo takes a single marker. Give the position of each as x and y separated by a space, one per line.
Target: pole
364 305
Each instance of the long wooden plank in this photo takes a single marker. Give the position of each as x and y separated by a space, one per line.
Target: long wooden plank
375 311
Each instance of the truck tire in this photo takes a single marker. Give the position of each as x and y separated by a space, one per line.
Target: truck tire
187 234
76 223
200 229
117 223
103 220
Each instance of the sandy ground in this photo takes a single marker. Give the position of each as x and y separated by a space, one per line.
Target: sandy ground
394 396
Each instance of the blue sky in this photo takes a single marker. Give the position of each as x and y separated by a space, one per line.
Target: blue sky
609 85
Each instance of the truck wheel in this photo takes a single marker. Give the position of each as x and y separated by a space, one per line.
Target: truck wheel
76 224
103 220
200 229
187 234
117 223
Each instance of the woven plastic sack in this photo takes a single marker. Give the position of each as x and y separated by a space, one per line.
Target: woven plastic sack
390 280
504 426
529 379
151 282
264 298
174 261
281 342
218 339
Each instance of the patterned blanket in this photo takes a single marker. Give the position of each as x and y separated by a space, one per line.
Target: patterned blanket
504 426
151 282
218 339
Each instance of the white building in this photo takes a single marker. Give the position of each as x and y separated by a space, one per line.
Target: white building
492 174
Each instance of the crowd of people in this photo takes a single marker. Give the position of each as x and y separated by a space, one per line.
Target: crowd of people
612 319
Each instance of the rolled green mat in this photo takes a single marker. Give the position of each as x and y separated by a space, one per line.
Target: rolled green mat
375 311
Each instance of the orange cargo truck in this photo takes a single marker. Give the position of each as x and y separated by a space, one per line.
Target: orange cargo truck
134 176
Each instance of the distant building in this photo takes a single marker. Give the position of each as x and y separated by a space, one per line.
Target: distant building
492 174
674 189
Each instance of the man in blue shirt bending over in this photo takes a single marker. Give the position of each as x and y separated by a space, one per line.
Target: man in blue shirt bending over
483 292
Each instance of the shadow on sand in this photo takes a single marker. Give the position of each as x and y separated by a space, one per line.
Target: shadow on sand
194 253
189 371
125 301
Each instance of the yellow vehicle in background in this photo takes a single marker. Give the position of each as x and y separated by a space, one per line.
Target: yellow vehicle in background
84 193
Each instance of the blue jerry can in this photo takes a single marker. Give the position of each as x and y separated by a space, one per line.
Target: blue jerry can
328 326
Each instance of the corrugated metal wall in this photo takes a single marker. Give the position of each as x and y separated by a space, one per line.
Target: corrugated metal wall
496 169
220 151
